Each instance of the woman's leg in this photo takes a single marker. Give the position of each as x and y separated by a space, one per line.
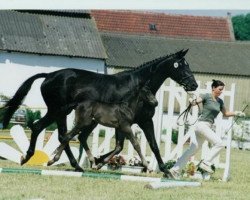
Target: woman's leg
206 131
196 143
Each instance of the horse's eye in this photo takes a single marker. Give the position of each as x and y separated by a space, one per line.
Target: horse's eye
176 65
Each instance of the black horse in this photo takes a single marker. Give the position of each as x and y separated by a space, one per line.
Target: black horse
63 90
118 115
174 66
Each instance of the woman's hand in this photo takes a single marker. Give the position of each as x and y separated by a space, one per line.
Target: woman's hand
239 114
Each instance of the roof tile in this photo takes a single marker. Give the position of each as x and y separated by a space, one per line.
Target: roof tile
209 28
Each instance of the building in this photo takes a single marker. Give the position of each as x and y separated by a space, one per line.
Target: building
44 41
213 51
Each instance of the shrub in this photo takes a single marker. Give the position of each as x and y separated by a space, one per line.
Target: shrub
102 133
32 116
175 136
52 127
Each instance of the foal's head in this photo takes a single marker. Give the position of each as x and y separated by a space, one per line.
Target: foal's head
146 96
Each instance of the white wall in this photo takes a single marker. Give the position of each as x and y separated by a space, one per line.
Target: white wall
15 68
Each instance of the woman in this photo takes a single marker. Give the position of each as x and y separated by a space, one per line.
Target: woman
212 105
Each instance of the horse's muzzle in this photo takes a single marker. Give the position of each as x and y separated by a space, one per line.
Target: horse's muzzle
192 87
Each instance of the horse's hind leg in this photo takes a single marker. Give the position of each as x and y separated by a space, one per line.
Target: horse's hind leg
62 130
64 142
36 128
83 136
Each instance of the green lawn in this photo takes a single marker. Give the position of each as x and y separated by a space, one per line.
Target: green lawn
29 186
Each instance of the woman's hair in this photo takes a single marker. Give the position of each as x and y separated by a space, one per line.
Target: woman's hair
217 83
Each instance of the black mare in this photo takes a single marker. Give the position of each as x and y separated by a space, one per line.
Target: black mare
63 90
118 115
173 66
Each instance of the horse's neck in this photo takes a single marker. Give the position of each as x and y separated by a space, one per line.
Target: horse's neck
144 74
156 82
161 74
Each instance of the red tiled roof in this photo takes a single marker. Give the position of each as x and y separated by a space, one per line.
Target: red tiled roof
135 22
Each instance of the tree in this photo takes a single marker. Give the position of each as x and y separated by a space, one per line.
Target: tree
241 25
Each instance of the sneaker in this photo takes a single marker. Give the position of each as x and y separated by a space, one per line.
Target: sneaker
174 174
206 167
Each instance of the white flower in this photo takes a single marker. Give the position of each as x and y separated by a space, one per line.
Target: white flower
42 152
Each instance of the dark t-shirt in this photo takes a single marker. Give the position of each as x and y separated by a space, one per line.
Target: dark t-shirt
211 108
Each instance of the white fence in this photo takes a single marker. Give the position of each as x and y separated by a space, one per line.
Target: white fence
168 121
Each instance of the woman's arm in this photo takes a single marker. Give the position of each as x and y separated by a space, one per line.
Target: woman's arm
194 102
232 114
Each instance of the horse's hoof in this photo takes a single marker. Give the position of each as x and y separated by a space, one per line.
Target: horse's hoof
97 160
22 160
145 169
79 169
50 163
99 166
94 167
167 174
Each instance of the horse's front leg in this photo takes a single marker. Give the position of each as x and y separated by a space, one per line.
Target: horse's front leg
64 143
128 131
148 128
120 137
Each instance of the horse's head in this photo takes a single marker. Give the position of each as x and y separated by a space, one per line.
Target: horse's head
146 96
180 71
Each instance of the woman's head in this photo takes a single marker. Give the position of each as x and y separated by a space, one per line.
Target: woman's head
217 87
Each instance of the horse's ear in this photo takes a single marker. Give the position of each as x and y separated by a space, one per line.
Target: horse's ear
180 54
184 52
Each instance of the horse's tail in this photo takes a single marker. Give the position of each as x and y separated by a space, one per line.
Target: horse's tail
12 105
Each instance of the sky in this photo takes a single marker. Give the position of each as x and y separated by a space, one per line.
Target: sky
127 4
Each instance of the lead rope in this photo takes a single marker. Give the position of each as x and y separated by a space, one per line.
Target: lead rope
186 112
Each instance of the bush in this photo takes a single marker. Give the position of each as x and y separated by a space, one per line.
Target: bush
32 116
52 127
175 136
102 133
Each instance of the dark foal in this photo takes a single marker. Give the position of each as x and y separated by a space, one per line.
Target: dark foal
175 67
118 115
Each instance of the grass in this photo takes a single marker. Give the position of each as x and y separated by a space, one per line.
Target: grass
29 186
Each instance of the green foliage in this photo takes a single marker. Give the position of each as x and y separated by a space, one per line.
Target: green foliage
32 116
175 136
169 164
3 97
52 127
102 133
241 25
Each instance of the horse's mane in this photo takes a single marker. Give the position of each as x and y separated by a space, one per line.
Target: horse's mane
152 62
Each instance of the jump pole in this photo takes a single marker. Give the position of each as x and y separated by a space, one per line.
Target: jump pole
155 182
171 184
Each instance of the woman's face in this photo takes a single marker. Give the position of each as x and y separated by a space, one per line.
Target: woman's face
217 90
